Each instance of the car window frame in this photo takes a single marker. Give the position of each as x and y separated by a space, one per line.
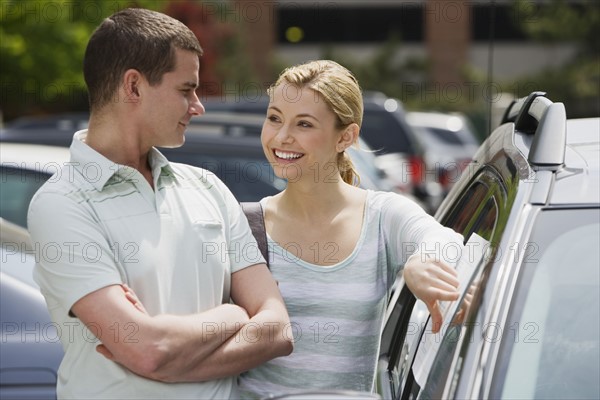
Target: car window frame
462 367
494 195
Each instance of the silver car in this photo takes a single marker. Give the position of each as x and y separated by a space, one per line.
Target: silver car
30 349
527 323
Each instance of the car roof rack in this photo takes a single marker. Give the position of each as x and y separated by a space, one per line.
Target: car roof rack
547 121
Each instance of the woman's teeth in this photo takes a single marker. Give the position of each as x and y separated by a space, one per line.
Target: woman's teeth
287 156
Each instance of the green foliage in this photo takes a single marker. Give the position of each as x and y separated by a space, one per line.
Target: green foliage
42 43
559 21
577 83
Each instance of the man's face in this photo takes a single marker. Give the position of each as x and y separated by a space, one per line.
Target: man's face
169 106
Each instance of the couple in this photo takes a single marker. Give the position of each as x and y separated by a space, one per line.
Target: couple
155 322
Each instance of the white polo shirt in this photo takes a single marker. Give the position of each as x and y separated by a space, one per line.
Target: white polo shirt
97 223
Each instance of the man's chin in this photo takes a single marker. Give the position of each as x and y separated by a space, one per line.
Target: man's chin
173 145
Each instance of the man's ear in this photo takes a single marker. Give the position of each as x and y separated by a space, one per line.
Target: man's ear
348 137
131 85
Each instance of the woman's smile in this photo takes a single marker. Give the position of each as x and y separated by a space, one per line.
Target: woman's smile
287 155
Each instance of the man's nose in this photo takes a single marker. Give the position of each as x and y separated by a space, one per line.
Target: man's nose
196 107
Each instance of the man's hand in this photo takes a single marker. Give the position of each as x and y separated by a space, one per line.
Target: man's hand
431 281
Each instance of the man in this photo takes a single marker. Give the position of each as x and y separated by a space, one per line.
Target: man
121 214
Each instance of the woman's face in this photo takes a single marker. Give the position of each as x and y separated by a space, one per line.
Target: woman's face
299 136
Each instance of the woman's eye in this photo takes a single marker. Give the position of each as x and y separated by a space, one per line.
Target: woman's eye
304 124
273 118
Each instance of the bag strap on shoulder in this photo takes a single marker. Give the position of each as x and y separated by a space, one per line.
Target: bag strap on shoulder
254 213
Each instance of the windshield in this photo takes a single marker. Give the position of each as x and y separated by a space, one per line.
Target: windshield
551 343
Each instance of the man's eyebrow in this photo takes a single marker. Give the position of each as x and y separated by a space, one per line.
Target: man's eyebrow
190 84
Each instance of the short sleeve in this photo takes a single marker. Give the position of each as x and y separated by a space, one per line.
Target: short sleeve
410 230
73 258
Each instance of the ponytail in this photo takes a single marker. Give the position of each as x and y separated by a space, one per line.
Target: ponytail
347 169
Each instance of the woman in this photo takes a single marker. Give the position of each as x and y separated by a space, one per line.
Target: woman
334 248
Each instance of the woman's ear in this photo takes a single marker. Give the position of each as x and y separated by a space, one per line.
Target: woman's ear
348 137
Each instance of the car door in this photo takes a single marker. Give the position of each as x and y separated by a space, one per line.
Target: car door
481 208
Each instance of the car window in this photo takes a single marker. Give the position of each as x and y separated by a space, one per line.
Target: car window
17 187
400 340
384 134
453 334
477 209
443 135
395 343
555 308
491 211
480 209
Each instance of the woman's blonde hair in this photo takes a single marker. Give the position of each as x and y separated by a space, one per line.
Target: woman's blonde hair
340 90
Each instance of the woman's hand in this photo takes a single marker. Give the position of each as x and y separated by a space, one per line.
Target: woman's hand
431 280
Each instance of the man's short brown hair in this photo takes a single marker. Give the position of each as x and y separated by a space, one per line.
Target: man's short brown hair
133 38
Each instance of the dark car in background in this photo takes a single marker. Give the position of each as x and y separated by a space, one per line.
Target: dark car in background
235 124
227 144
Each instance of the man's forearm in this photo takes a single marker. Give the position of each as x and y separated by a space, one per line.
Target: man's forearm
263 338
169 345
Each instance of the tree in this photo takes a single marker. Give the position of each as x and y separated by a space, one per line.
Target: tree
42 43
577 83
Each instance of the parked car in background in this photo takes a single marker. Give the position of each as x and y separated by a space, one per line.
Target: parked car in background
24 167
247 124
527 322
30 350
384 129
448 142
227 144
53 130
238 161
